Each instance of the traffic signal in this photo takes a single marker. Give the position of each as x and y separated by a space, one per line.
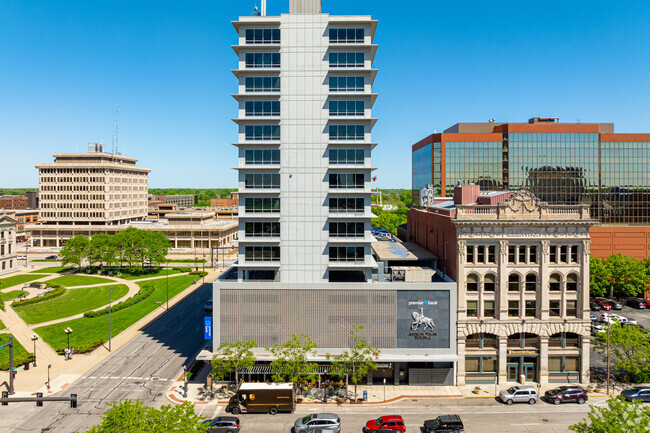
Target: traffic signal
39 403
73 402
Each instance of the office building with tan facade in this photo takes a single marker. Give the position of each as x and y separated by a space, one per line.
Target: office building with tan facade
8 260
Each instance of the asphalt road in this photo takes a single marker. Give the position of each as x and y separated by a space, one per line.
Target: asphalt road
142 369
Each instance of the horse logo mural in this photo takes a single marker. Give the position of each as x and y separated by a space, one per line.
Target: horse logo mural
420 319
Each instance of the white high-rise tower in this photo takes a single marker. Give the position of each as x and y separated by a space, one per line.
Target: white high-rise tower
305 100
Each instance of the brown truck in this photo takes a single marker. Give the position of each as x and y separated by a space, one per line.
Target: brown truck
263 398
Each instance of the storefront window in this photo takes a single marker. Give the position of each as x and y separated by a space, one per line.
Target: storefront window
562 364
472 364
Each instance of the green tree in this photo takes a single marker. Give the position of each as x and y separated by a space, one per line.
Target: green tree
628 275
291 363
389 220
131 416
406 197
156 248
599 277
356 361
99 248
74 251
629 348
232 356
618 417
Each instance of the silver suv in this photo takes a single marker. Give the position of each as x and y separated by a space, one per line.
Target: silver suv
318 421
519 394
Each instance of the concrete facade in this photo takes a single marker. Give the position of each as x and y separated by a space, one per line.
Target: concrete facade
8 254
180 200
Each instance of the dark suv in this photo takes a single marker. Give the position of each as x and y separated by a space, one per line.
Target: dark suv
444 423
637 303
565 394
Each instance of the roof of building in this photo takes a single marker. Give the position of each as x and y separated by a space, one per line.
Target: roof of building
407 251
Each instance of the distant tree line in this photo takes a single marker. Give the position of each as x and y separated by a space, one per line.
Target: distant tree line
389 220
131 247
619 276
202 195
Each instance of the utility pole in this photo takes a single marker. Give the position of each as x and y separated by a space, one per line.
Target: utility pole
10 343
607 326
110 289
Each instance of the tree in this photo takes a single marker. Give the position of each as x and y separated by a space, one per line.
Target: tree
157 247
629 348
618 417
599 277
291 363
357 361
74 251
628 275
231 356
98 248
131 416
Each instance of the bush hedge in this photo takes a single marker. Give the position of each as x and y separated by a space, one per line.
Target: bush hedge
58 291
85 348
142 294
199 273
183 269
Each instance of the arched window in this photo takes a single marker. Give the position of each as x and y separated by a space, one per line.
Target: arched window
513 283
531 282
472 283
489 283
572 283
554 283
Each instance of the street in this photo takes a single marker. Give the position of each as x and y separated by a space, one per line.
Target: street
142 369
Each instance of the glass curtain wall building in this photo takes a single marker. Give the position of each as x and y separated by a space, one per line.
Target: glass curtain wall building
559 163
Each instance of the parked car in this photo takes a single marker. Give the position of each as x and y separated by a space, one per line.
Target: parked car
637 303
318 421
615 305
593 317
647 303
50 258
388 422
223 424
637 392
22 239
597 329
603 303
566 394
593 305
519 394
632 323
208 305
444 423
21 258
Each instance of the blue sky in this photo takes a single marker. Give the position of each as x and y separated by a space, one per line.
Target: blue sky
66 65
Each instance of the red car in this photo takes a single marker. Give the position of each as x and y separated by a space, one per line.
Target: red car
647 303
604 304
389 422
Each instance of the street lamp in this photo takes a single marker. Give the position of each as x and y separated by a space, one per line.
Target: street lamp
34 338
48 377
68 331
110 289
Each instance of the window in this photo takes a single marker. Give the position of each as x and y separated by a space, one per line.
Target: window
347 229
346 205
522 254
531 282
262 84
262 180
564 340
488 309
345 60
347 156
511 254
553 254
574 254
346 254
480 364
262 36
480 254
563 364
262 132
346 108
513 283
571 308
554 308
472 283
347 180
262 108
346 36
346 84
262 156
262 60
563 254
262 254
532 254
554 283
472 308
572 283
491 254
531 308
489 283
262 205
470 253
513 308
262 229
346 132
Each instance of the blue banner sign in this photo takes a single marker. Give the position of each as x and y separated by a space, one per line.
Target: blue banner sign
207 328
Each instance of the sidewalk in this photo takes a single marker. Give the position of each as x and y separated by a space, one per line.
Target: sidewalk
63 372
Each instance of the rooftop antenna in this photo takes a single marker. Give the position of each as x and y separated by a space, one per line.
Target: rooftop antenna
116 138
256 12
263 8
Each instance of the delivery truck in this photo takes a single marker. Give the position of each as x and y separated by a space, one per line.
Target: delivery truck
263 398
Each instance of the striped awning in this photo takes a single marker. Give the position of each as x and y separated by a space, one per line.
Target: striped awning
266 369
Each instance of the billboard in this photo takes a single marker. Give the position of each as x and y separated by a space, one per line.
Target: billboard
423 319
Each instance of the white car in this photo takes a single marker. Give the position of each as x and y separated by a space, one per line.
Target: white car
21 257
597 329
593 317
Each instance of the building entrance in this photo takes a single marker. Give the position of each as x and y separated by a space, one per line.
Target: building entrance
525 366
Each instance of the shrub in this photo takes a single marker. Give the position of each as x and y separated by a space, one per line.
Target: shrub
142 294
83 349
199 273
183 269
58 291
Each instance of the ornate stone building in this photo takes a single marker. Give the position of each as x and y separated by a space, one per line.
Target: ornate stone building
8 260
522 268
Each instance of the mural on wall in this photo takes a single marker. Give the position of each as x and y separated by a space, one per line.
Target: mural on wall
423 319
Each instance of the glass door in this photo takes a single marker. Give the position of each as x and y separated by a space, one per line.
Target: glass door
513 372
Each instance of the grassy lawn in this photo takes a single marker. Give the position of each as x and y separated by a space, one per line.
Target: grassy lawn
90 332
52 270
74 301
8 296
2 326
154 273
20 354
78 280
17 279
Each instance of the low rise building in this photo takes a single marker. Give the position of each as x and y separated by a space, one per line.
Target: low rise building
8 261
522 268
13 202
181 200
233 201
25 217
